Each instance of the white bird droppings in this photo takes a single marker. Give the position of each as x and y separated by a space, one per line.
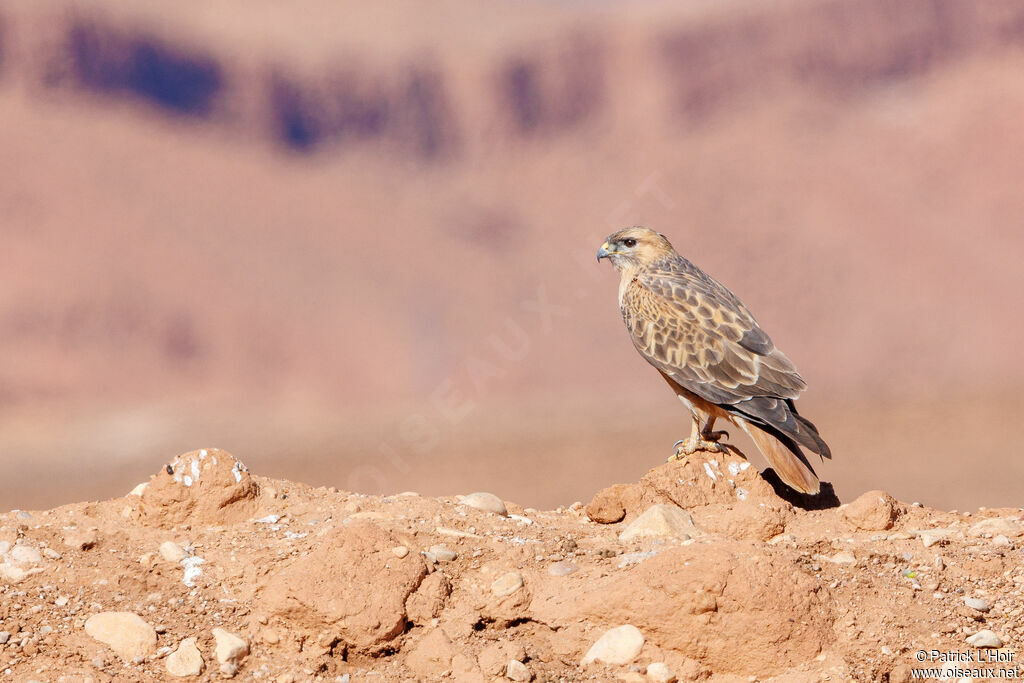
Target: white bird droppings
192 570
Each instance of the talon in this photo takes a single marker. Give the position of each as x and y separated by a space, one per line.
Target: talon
680 451
715 436
685 447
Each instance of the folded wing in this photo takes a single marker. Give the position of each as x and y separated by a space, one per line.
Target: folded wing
697 332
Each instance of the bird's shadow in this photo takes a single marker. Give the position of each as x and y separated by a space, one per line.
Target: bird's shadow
823 500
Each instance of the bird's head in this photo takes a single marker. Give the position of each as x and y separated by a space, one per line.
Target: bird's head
634 247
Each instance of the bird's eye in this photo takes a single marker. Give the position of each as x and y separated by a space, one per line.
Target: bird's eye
630 242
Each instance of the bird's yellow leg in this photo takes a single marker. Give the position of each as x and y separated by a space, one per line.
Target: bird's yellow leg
698 441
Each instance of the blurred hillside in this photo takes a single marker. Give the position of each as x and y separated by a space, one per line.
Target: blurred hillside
357 241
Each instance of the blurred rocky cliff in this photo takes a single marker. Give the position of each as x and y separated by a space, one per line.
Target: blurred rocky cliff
374 226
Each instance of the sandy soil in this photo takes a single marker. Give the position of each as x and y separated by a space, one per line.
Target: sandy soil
721 578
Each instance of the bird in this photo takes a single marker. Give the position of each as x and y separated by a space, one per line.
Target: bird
714 355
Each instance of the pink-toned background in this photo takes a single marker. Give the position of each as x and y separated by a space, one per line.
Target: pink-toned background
354 244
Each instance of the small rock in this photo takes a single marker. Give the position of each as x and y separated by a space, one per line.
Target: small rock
186 660
25 554
507 584
485 501
400 551
139 489
442 553
1002 541
428 601
125 633
996 526
563 568
193 570
494 658
268 519
4 637
617 646
872 511
50 553
517 671
844 557
660 673
607 505
81 539
930 537
45 630
887 651
171 551
660 521
230 650
985 638
16 574
977 604
782 538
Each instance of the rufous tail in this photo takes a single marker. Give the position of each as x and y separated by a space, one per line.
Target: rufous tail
790 467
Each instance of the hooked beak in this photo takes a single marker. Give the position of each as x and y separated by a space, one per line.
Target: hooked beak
603 252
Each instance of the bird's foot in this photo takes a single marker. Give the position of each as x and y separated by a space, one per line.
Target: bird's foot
685 447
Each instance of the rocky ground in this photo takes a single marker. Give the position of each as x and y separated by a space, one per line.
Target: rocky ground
700 571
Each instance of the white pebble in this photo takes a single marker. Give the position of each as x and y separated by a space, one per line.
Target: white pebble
442 553
517 671
617 646
985 638
230 650
487 502
186 660
171 551
507 584
977 604
659 671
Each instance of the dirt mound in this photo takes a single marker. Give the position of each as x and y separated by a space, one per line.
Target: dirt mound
352 589
207 485
724 493
706 574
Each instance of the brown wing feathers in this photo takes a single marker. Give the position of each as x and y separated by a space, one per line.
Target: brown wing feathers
700 335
